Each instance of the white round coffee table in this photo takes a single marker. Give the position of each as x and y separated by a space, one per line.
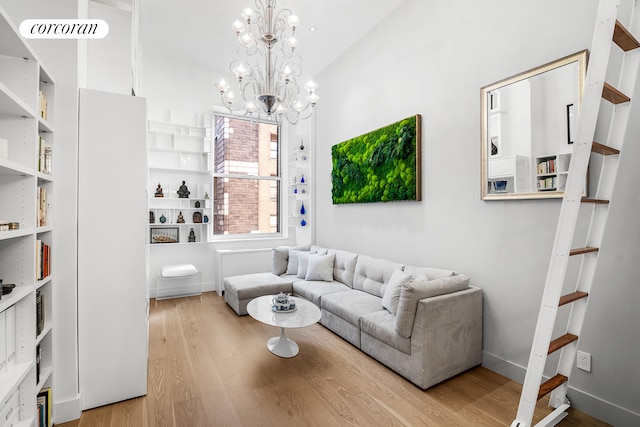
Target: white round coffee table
306 314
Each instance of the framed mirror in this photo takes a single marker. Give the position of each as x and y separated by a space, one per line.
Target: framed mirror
527 130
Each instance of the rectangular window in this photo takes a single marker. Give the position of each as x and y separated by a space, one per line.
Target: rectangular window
246 177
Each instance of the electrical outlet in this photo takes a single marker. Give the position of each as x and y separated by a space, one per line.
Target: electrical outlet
583 361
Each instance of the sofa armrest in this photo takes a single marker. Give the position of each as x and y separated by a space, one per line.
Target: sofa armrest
447 331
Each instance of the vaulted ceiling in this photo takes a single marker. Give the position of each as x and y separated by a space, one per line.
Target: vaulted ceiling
198 32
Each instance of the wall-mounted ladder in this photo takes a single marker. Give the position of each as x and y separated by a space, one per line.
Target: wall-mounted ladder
609 31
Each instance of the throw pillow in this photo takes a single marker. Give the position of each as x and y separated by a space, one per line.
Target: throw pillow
279 260
303 262
320 267
415 290
391 295
292 265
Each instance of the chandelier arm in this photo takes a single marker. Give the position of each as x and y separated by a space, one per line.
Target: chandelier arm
267 67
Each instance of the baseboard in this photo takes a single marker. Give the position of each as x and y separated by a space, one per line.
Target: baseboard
67 410
582 401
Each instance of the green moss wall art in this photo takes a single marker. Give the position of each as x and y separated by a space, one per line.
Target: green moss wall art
379 166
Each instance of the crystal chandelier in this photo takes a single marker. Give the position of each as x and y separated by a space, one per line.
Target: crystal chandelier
267 67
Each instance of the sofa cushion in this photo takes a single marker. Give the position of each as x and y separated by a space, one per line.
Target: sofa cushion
303 263
344 266
314 291
292 265
320 268
350 305
432 273
248 286
318 249
382 326
372 274
279 260
420 288
392 289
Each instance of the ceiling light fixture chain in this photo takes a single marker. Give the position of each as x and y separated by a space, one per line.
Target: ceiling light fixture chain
267 66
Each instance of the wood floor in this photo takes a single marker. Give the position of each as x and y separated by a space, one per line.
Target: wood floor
209 367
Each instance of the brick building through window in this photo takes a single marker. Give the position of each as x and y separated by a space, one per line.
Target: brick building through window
246 183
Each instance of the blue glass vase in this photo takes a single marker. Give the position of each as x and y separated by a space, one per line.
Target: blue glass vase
303 223
302 179
302 209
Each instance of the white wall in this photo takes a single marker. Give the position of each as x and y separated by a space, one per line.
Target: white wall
109 66
432 58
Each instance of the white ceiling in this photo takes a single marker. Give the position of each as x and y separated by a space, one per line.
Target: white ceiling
198 32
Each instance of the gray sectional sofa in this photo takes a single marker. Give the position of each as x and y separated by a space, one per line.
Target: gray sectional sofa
424 323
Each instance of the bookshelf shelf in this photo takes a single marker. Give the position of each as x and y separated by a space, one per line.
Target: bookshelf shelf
298 189
27 98
179 152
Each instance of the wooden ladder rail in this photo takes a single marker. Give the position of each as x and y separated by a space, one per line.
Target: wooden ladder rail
608 29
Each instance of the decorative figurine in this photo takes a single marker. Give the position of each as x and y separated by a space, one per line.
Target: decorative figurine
152 217
206 195
163 219
206 218
159 192
197 217
197 203
192 235
183 191
180 219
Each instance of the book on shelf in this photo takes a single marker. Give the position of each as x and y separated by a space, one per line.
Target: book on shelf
42 98
548 166
10 325
38 357
43 260
40 312
45 153
44 400
43 207
3 348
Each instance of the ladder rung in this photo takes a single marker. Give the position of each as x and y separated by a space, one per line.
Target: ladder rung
603 149
596 201
573 296
551 384
613 95
623 38
560 342
580 251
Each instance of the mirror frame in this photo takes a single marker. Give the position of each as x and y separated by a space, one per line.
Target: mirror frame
579 57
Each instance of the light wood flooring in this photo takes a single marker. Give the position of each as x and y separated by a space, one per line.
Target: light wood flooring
209 367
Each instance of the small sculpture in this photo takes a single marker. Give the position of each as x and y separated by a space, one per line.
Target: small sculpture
197 204
183 191
163 219
197 217
159 192
206 218
206 195
192 235
180 219
152 217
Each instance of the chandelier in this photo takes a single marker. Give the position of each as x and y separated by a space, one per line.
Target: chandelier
267 66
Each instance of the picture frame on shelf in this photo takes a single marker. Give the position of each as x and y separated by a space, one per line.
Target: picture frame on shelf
164 235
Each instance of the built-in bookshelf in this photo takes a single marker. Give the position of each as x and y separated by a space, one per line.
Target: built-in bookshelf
552 172
180 208
27 141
